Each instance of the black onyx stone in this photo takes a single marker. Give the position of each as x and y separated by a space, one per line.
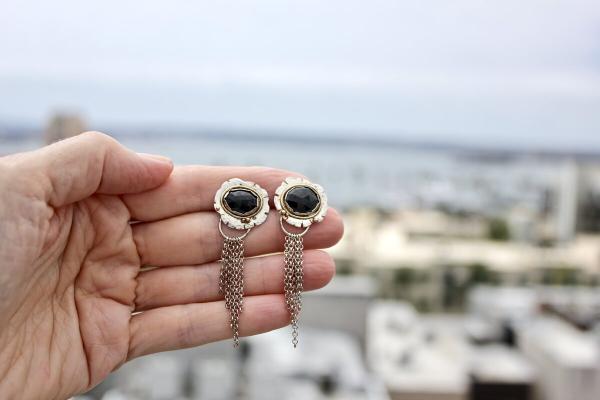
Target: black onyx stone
241 202
302 200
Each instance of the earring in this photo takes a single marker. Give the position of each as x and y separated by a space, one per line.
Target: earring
242 205
300 203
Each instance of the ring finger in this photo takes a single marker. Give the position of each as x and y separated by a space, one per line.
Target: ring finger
200 283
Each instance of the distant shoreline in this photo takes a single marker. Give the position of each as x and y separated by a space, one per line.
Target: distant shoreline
302 138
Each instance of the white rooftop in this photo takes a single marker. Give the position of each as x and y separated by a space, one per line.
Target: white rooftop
563 343
497 363
413 354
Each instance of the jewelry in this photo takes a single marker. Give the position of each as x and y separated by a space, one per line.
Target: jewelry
242 205
300 203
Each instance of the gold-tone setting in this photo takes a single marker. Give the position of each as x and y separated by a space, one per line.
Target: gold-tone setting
236 220
288 211
299 220
245 218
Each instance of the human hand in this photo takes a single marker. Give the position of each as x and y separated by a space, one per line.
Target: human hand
70 263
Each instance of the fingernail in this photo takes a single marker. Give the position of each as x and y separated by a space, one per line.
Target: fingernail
156 157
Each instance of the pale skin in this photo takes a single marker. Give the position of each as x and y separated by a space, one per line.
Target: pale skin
71 263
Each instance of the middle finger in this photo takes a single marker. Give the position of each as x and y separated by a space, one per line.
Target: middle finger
195 239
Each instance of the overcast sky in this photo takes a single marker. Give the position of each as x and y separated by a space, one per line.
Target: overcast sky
512 73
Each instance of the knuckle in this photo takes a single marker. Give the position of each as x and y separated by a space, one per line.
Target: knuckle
140 243
140 293
186 331
96 138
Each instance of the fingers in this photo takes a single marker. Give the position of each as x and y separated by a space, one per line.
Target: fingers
200 283
73 169
195 238
193 188
182 326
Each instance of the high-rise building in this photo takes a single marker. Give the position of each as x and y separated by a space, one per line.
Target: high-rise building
578 200
63 125
566 207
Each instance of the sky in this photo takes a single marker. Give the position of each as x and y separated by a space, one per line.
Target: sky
509 73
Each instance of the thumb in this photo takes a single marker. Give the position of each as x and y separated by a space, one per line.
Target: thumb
92 162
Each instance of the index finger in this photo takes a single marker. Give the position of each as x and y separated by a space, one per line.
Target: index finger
192 189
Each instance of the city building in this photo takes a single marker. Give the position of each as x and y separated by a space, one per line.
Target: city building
62 126
418 358
567 360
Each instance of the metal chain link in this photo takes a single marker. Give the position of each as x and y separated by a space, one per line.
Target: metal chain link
293 279
231 282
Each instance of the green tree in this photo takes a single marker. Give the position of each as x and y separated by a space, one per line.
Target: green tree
498 230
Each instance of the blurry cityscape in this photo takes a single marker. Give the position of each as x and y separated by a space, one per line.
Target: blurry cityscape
460 140
464 273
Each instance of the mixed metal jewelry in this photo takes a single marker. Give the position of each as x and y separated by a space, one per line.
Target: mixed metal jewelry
242 205
300 203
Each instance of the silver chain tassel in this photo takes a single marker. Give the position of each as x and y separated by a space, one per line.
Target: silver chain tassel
293 279
231 283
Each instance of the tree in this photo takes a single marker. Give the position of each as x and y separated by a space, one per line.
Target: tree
498 230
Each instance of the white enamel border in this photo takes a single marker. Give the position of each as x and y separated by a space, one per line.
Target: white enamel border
234 221
290 182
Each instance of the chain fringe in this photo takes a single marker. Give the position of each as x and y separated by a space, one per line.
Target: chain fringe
231 283
293 280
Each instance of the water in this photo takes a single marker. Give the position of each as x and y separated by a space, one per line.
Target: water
385 177
355 175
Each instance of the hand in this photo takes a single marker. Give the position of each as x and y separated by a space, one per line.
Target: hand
70 263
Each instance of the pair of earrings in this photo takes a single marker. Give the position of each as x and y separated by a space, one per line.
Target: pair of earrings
243 205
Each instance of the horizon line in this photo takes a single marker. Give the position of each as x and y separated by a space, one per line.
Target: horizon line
11 131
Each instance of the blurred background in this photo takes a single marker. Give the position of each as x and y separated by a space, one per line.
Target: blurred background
460 139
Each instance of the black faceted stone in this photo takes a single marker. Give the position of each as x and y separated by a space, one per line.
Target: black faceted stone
241 202
302 200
